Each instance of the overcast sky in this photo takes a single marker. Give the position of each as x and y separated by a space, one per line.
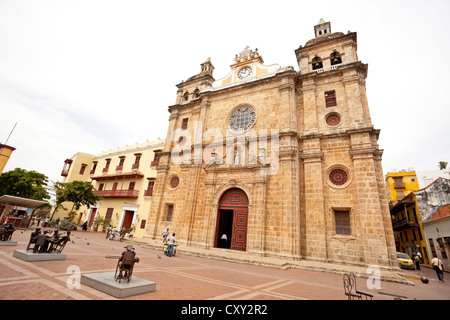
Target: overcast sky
89 76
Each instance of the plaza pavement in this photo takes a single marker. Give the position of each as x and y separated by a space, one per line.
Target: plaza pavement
187 276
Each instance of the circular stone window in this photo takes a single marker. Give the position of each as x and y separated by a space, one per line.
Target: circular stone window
174 182
338 176
242 119
333 120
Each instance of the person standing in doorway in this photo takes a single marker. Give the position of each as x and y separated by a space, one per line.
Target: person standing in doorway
438 266
224 241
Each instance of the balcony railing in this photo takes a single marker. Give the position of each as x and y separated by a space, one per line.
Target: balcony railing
64 173
154 163
148 193
117 193
403 224
336 66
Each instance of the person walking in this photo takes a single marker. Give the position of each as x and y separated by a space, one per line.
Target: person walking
438 266
417 258
122 233
132 228
108 232
165 234
171 244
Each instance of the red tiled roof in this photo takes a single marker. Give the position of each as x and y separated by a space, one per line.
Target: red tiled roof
442 212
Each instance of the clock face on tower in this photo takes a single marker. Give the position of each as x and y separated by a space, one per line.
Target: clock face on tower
245 73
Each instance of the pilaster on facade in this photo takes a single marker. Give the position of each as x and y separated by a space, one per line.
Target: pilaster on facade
321 199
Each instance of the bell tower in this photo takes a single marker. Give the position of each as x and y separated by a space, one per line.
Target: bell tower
190 89
322 28
340 148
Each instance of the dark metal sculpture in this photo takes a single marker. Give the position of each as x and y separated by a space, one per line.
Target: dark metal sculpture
124 269
6 232
42 242
350 289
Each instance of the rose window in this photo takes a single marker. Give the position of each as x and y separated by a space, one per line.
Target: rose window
174 182
338 177
242 119
333 120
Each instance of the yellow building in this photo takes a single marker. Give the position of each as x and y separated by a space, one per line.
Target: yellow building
405 215
400 184
123 177
5 154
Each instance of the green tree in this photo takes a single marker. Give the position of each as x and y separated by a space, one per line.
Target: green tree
442 165
78 192
25 184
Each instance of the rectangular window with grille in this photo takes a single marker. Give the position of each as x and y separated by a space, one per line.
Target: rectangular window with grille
169 212
440 241
342 221
330 99
184 124
433 249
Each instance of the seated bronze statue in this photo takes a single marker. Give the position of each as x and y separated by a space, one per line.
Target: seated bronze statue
58 244
45 243
41 243
6 232
33 237
125 265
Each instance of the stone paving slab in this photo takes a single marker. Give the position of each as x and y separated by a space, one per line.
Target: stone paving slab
189 276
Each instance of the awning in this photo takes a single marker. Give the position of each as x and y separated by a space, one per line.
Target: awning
20 202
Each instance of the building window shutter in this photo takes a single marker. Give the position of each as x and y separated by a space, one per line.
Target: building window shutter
330 99
342 220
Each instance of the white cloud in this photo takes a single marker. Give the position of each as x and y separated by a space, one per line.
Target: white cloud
93 75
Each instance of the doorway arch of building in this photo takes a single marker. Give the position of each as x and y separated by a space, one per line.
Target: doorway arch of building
232 220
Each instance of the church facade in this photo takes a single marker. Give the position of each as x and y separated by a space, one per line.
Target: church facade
276 162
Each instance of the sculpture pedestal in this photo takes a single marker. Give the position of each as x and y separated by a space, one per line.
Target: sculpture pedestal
105 282
30 256
8 243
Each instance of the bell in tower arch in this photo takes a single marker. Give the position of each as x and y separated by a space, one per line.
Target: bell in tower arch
335 58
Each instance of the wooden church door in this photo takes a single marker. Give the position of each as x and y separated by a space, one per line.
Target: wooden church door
237 201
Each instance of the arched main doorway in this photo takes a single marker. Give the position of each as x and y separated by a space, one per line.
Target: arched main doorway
232 220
